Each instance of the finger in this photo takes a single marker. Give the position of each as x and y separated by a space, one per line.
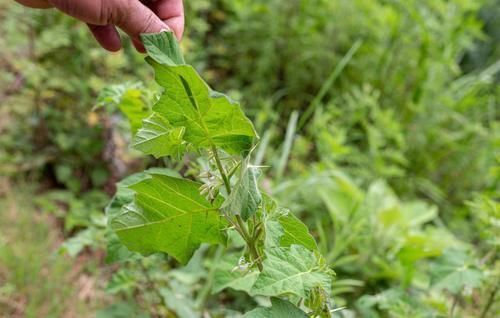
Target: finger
172 13
138 46
135 19
107 36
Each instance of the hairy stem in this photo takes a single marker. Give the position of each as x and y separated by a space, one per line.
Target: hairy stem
250 242
243 228
255 255
227 184
240 225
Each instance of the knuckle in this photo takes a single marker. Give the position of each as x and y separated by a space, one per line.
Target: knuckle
105 13
116 11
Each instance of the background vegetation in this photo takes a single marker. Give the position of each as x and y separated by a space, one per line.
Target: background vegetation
379 125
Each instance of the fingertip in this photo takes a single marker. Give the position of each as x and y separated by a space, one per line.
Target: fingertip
171 12
176 25
138 46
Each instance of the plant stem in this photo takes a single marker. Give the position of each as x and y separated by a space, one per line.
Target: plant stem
491 300
243 228
240 225
233 170
221 170
250 242
453 306
255 255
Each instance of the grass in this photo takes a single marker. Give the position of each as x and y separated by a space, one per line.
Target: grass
35 280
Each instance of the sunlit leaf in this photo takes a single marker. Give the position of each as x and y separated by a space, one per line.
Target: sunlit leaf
158 138
115 250
292 270
163 48
168 215
210 119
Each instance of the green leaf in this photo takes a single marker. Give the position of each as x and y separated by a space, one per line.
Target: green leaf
134 108
122 281
163 48
168 215
245 197
231 273
454 271
280 309
124 195
210 119
130 100
115 250
74 245
285 229
158 138
292 270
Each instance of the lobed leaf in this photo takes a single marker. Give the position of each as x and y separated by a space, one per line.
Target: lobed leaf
168 215
116 251
292 270
284 229
158 138
209 119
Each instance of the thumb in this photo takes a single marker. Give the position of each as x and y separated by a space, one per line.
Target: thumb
134 18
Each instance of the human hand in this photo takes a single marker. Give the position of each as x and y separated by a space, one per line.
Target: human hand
132 16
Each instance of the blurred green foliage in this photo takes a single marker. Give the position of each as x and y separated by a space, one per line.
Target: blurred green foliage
52 71
396 168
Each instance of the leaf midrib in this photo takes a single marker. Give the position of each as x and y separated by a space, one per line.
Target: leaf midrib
193 99
164 220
